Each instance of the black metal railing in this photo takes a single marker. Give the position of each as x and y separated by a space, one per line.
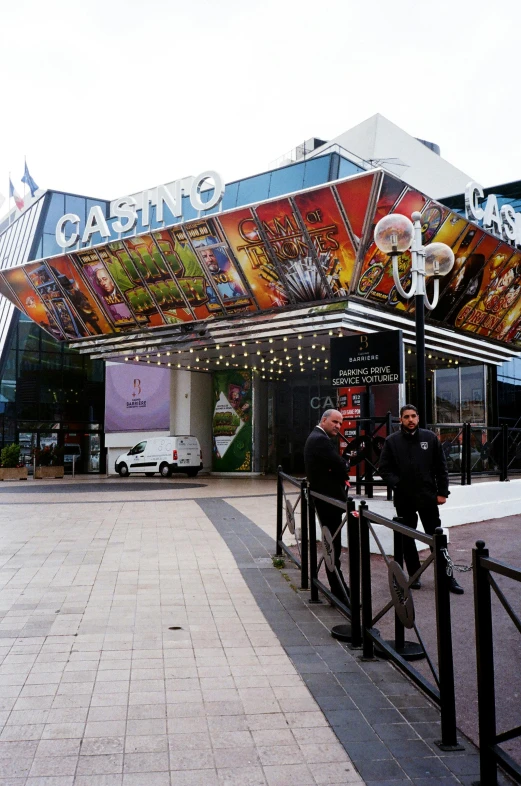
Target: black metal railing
490 752
470 451
441 691
349 603
288 520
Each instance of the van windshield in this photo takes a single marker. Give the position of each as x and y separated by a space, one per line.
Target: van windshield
72 450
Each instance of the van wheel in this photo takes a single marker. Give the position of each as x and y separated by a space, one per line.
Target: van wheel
123 470
150 474
192 473
165 471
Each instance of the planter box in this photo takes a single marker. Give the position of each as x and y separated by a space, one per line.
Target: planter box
13 473
41 473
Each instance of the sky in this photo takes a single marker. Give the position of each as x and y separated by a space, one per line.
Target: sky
109 97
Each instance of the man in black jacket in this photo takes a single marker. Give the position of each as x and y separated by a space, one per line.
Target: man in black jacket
327 473
413 464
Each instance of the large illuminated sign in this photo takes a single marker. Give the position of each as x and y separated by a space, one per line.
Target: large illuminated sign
125 209
503 222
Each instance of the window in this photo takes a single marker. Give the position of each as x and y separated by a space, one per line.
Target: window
460 395
139 448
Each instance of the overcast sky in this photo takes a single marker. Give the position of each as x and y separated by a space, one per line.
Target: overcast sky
108 97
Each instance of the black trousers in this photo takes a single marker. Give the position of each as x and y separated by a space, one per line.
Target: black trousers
409 510
331 518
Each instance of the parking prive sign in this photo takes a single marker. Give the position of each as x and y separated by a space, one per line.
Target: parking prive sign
367 359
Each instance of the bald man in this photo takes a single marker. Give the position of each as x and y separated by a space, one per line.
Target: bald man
327 473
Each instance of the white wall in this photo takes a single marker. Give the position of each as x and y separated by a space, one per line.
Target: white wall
465 505
190 413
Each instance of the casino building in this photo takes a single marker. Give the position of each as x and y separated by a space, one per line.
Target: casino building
204 308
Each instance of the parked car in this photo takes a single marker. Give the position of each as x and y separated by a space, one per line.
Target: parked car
164 455
454 459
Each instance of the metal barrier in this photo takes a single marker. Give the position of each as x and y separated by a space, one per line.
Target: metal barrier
349 605
399 651
490 754
286 509
370 436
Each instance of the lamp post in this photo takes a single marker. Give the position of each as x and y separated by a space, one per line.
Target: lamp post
394 234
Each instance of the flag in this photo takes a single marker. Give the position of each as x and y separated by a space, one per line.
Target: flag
28 180
15 195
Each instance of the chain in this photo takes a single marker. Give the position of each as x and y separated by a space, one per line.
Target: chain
451 566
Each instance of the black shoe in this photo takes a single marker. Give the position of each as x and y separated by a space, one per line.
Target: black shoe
455 587
416 584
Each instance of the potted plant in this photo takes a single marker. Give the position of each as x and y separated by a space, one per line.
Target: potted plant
12 468
49 462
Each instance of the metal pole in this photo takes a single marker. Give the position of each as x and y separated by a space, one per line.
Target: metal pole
73 465
421 392
358 463
304 547
463 465
365 567
312 551
353 541
278 538
469 455
485 667
449 740
504 452
399 632
389 426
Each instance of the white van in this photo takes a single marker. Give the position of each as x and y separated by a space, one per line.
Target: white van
164 455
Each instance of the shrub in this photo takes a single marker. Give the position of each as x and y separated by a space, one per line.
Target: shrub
10 456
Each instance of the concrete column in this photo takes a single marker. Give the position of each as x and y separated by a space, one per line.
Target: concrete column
191 409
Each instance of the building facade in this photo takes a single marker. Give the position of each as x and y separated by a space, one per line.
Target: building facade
234 297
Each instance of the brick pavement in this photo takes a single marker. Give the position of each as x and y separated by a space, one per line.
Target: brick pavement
249 688
134 653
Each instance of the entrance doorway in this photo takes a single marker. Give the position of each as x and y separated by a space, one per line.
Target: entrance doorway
296 409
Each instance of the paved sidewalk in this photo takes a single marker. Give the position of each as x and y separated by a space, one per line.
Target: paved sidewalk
133 653
147 640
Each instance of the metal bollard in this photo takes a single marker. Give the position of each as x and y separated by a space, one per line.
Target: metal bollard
365 565
485 667
304 547
449 740
278 538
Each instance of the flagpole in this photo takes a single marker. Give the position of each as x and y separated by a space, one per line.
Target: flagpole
9 192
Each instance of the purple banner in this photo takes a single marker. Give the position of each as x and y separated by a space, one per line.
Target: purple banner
137 398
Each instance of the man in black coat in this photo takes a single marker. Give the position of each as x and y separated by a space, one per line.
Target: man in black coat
413 464
327 473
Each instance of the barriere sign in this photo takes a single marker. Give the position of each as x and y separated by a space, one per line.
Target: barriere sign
367 359
125 209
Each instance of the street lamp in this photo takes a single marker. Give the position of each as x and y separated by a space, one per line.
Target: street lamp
394 234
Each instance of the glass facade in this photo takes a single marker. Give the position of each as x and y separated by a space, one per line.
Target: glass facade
461 395
49 393
509 392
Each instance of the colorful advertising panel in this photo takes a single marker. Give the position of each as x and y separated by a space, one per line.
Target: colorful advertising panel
104 280
254 258
78 294
54 300
217 260
354 195
498 291
32 302
327 231
376 280
191 277
313 246
155 292
293 253
231 421
350 406
137 398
